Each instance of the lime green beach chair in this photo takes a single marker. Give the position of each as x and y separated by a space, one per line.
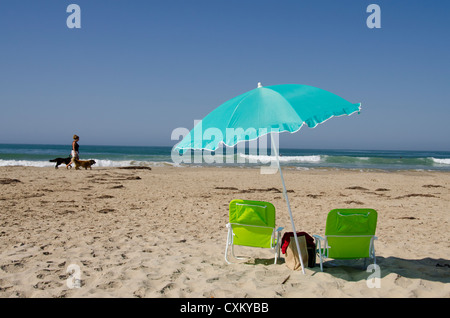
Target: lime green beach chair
349 234
252 223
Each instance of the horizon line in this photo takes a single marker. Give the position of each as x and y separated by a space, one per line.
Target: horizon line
293 148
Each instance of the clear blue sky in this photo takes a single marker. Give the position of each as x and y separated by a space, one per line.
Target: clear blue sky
138 69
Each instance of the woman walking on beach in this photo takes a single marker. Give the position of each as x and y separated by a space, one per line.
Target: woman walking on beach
75 148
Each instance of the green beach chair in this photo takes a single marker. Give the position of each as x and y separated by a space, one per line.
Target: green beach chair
349 234
252 223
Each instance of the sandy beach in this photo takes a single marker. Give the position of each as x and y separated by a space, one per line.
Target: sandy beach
161 232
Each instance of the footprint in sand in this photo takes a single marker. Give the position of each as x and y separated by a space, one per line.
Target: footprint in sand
12 268
8 181
105 196
105 211
116 187
354 202
416 195
357 188
167 288
110 285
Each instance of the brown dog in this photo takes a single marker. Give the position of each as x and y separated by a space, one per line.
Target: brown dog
83 163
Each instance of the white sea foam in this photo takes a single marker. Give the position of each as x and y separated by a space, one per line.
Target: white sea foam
25 163
127 163
441 163
445 161
266 159
99 163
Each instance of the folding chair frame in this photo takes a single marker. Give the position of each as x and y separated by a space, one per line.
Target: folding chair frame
274 242
323 252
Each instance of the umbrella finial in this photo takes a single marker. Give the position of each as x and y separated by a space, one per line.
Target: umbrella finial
259 85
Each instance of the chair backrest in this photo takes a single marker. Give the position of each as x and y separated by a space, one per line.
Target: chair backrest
349 232
253 223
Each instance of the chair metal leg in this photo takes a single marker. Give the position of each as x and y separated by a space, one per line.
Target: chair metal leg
226 257
232 253
230 245
319 251
226 247
277 248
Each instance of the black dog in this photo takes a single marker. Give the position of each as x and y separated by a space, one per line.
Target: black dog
60 161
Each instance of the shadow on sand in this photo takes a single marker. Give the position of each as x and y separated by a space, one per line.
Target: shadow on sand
430 269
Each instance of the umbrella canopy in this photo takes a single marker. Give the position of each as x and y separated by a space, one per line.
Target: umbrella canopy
278 108
264 110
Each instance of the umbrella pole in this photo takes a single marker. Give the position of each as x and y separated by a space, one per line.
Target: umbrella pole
274 147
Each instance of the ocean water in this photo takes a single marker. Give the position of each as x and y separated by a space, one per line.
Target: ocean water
119 156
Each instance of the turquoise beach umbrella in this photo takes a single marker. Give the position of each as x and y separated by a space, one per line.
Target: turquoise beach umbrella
278 108
264 110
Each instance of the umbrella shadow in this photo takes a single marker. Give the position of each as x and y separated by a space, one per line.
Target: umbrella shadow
431 269
265 261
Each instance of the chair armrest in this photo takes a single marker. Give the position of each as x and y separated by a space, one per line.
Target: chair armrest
318 237
279 229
